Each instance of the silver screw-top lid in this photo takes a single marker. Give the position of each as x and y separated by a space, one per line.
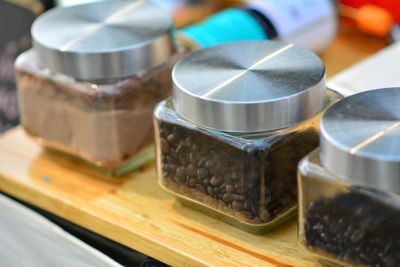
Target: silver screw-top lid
103 40
360 138
249 86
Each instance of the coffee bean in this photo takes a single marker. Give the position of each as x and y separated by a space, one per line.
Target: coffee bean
246 214
188 141
236 176
239 197
172 137
239 188
229 188
202 173
191 170
210 163
193 158
210 190
191 182
180 172
202 162
172 167
206 181
180 148
237 205
217 190
200 188
195 147
164 145
216 180
227 197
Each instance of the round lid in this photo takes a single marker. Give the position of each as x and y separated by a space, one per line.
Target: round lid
249 86
360 138
103 40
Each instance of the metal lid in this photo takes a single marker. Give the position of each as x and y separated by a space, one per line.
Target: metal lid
103 40
249 86
360 138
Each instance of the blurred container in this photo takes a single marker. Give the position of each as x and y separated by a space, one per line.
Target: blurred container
91 90
308 23
184 12
229 141
349 190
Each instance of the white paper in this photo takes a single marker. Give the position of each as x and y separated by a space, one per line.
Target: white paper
381 70
28 239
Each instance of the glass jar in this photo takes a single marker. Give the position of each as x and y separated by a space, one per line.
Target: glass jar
308 23
349 190
91 91
242 116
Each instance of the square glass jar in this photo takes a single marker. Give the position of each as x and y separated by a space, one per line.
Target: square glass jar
245 179
345 222
241 117
104 122
349 189
91 91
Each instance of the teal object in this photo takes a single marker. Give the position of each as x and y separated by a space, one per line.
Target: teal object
227 26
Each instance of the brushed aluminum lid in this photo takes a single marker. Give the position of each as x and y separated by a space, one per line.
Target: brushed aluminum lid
249 86
103 40
360 138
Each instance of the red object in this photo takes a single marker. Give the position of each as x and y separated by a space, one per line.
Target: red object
393 6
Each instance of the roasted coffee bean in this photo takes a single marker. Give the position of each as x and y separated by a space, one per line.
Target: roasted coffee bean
210 190
246 214
217 190
188 141
238 197
202 173
206 181
200 188
192 182
229 188
216 180
202 161
210 163
237 205
164 145
180 172
240 189
191 170
195 147
227 197
193 158
180 148
236 176
172 137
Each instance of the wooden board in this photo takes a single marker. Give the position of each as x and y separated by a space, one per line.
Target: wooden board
134 211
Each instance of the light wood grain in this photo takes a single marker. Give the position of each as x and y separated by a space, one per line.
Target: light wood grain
134 211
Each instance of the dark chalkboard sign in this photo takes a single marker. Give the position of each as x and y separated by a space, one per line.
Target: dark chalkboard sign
15 23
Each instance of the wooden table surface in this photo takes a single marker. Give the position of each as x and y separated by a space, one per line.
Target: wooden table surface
134 211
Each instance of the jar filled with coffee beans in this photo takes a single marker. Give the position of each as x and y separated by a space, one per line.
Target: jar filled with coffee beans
350 188
89 85
242 116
